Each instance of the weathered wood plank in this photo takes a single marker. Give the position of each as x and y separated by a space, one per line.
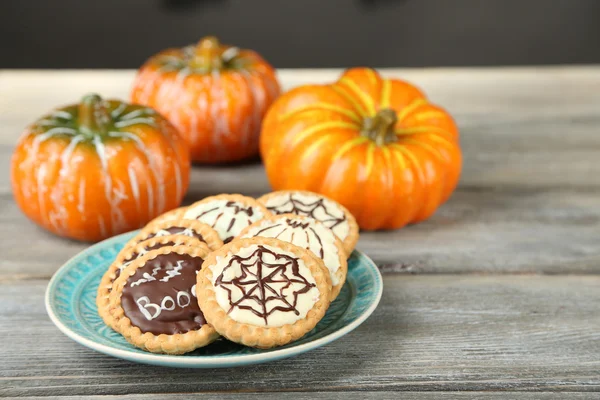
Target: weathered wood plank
430 333
343 396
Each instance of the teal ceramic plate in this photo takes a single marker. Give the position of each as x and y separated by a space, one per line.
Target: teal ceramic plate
71 304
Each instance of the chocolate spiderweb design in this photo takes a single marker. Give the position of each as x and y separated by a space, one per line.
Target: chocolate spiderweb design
256 287
237 208
299 207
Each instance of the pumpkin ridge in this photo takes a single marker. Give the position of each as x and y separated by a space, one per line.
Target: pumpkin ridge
65 158
401 159
101 153
177 162
430 114
405 112
321 106
386 154
425 146
256 100
358 92
369 159
139 145
440 139
389 170
399 154
420 175
315 146
348 146
305 133
372 75
421 129
386 93
342 92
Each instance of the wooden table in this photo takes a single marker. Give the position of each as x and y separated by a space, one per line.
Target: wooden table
498 292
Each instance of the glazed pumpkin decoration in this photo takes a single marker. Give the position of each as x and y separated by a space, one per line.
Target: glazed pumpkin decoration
91 170
375 145
216 95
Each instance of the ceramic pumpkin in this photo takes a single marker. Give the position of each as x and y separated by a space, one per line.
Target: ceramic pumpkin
95 169
375 145
216 95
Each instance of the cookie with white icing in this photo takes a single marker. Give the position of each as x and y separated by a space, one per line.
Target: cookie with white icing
263 292
184 227
228 214
309 234
130 254
335 216
153 302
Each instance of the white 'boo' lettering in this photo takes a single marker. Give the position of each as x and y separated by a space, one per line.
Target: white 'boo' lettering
152 310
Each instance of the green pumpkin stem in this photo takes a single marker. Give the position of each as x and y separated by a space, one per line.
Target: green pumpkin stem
380 128
208 54
93 117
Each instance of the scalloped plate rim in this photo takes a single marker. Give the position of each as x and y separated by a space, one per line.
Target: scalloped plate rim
214 361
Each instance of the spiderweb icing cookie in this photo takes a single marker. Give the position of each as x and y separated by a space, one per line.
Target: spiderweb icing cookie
263 292
335 216
309 234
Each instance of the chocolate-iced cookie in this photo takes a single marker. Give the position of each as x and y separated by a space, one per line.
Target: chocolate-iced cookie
184 227
130 254
153 302
335 216
263 292
309 234
228 214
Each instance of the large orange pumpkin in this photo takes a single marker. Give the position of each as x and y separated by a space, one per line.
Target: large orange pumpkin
91 170
216 96
375 145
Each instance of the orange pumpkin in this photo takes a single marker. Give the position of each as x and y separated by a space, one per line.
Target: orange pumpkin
216 96
375 145
91 170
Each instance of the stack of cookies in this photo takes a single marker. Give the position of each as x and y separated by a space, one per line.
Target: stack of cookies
259 272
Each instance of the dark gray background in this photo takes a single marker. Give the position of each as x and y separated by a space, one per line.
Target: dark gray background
303 33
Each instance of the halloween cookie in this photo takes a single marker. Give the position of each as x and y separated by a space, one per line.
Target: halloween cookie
127 256
153 301
263 292
309 234
335 216
228 214
184 227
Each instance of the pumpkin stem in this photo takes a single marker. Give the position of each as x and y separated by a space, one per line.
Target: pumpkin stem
93 117
208 54
380 128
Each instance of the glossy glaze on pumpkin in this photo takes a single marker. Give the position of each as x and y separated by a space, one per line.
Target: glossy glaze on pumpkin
324 138
99 168
216 95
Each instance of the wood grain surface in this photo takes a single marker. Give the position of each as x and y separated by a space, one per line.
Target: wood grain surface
430 332
383 395
496 296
